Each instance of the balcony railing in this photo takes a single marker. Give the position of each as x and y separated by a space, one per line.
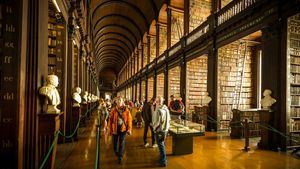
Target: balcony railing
198 32
232 9
226 13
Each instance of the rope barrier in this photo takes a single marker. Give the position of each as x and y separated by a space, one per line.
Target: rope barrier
97 147
49 151
56 135
266 126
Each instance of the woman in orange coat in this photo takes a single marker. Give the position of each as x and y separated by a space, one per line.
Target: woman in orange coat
120 123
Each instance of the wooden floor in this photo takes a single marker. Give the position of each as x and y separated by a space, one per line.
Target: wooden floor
212 151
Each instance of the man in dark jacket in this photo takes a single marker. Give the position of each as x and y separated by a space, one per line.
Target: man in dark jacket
147 112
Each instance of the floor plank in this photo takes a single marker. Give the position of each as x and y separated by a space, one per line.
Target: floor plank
213 151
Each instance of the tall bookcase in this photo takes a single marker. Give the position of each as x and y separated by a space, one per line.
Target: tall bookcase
230 76
160 85
150 87
174 81
199 11
56 46
196 82
176 26
76 66
293 90
143 92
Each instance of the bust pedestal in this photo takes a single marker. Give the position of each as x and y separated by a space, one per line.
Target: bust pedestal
75 119
89 113
49 124
265 117
84 108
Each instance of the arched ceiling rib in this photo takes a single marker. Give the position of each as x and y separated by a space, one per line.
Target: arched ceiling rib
118 27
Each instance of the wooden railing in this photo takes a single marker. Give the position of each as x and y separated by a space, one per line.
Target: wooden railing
222 16
198 32
175 48
232 9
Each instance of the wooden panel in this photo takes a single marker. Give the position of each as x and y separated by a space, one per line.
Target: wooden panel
10 28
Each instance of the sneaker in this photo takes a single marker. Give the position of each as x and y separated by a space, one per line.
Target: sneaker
120 161
162 164
146 145
154 145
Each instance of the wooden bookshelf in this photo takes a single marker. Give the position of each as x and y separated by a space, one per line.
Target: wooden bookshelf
76 66
160 85
176 26
237 130
152 48
143 92
199 11
293 58
231 59
196 82
162 39
174 81
150 88
138 91
145 55
56 46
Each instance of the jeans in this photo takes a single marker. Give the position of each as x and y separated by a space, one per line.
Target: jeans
160 138
119 144
147 125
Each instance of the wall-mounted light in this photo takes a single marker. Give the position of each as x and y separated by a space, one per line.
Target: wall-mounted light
74 42
76 27
56 6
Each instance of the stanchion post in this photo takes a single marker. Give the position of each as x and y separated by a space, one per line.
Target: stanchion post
246 133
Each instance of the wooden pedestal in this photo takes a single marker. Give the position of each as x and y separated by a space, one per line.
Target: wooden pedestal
48 125
266 135
84 108
75 119
200 115
182 144
88 116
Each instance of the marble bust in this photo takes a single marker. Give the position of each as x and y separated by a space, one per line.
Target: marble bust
85 97
206 99
76 97
51 94
268 100
89 98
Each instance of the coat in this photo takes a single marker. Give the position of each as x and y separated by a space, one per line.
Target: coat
147 112
113 121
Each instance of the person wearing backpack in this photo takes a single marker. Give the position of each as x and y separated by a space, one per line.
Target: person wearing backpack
161 123
120 124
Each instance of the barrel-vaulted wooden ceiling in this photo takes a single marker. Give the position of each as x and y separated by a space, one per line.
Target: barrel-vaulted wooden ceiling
118 27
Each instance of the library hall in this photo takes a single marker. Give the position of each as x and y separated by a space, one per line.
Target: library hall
149 84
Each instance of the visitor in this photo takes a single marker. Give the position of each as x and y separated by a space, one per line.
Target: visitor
120 123
161 124
103 114
147 112
176 107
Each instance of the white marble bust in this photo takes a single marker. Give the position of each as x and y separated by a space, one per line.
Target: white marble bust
51 93
89 98
268 100
76 97
206 99
85 97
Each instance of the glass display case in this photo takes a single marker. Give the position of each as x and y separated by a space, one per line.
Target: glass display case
186 127
183 133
